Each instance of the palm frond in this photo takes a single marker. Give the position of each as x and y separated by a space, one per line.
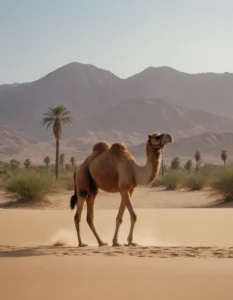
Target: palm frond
65 113
56 116
66 120
49 124
48 114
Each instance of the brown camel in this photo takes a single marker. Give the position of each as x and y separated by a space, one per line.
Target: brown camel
113 169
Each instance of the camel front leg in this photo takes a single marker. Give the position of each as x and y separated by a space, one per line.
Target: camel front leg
77 219
133 217
90 219
118 223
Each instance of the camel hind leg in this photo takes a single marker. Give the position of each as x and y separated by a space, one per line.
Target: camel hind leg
84 188
90 219
77 218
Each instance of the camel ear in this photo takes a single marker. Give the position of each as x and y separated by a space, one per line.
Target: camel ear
149 136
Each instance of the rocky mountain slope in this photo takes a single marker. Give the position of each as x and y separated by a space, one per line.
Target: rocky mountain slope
87 90
140 116
210 146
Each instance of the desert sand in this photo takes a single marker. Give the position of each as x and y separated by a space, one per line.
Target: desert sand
185 252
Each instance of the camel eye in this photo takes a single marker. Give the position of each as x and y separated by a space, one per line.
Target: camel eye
157 138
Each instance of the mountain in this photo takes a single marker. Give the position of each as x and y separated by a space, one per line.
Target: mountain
12 141
209 92
210 146
130 122
83 89
140 116
16 145
87 90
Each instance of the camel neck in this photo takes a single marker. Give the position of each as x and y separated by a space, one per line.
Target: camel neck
148 173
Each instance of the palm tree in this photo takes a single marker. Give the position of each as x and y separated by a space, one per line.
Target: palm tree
162 167
56 117
72 161
197 157
188 165
14 164
47 161
224 157
27 163
62 160
175 163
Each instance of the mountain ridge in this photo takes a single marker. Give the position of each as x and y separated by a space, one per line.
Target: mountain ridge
87 90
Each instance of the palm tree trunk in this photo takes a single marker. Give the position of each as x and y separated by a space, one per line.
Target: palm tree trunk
57 159
162 168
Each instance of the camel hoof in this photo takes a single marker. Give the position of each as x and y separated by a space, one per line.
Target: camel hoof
82 245
116 244
131 244
103 244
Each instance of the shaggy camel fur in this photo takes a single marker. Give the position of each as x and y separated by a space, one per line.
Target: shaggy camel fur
113 169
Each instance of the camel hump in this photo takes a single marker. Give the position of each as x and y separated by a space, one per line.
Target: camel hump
118 148
100 147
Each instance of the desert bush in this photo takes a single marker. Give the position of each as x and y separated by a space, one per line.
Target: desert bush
30 186
159 181
210 169
173 180
222 184
195 182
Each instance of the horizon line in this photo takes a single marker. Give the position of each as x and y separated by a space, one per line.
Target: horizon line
122 78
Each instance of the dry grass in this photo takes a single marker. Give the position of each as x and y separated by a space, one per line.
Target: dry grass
222 184
29 187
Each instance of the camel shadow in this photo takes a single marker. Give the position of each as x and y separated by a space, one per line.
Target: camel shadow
10 251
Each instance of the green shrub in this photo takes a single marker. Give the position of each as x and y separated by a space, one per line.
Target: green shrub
195 182
30 186
222 184
159 181
210 170
173 180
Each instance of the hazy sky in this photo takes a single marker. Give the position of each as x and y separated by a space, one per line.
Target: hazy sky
123 36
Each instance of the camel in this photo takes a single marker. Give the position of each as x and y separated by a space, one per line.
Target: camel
113 169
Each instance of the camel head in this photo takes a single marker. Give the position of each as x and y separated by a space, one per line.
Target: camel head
159 140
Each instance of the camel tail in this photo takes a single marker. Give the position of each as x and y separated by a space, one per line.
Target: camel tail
93 190
74 198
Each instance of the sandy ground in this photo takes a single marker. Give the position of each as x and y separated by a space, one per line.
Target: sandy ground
184 253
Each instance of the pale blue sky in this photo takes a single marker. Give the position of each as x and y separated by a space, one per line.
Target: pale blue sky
123 36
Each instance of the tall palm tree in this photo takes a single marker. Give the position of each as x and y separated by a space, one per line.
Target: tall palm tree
27 163
224 157
14 164
197 157
57 116
175 163
72 161
188 165
162 167
62 160
47 161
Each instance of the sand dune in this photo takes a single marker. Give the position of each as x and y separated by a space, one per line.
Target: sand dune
183 253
